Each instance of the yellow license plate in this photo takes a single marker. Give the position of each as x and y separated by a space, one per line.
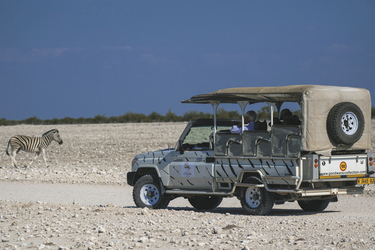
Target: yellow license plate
365 180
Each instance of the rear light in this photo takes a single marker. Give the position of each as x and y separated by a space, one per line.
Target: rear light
316 163
370 161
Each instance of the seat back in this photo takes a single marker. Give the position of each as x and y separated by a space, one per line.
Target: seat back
256 143
228 144
286 141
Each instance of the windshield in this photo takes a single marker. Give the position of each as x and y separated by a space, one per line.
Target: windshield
200 138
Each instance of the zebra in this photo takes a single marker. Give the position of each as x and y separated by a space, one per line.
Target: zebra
32 144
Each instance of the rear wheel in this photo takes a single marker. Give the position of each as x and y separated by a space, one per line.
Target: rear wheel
147 193
314 205
205 202
256 200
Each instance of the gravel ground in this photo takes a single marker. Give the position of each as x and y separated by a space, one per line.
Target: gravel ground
97 155
90 154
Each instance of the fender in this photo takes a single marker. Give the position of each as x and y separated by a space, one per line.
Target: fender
150 169
245 173
133 176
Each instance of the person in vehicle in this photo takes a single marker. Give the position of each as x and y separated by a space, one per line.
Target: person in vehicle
287 118
249 119
295 120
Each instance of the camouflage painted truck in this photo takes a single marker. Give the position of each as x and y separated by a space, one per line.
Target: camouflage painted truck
312 163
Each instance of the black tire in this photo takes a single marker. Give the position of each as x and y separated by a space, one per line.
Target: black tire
205 202
314 205
345 123
147 193
256 200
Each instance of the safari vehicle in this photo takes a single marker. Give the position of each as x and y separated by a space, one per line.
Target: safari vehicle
311 163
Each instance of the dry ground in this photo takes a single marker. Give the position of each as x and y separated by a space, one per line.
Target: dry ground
97 155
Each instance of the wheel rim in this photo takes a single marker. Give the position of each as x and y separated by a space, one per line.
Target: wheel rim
253 197
349 123
149 194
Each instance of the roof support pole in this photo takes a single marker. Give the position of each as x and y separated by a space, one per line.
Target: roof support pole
243 106
272 108
215 105
278 105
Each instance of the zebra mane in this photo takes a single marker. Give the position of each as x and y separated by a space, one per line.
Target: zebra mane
52 130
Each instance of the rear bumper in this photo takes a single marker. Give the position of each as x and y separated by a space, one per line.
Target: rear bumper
332 191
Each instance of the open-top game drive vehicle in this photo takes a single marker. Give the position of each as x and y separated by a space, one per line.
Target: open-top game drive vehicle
311 163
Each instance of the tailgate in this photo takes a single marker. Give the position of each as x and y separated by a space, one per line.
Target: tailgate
342 166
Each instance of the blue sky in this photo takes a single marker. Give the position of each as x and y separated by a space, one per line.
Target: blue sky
83 58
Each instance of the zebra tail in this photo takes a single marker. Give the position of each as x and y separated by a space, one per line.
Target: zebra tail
6 151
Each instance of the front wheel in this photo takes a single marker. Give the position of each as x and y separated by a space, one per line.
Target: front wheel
205 202
256 200
314 205
147 193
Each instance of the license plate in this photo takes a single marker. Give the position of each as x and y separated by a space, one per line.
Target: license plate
365 180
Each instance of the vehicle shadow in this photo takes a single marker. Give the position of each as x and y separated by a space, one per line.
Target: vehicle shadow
240 211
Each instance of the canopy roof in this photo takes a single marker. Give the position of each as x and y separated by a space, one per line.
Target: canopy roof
316 102
291 93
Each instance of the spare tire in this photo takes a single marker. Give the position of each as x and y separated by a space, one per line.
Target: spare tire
345 123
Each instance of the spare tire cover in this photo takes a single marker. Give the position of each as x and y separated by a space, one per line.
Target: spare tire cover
345 123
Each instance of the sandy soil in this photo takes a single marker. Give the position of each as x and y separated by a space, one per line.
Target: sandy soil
72 203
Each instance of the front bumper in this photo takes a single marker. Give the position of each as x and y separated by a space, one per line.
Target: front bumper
130 178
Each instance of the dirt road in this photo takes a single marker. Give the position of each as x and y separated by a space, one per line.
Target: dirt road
82 194
121 196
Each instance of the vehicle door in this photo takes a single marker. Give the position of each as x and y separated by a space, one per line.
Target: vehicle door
193 164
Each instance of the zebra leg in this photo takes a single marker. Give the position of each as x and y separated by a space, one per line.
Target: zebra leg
13 158
44 157
33 159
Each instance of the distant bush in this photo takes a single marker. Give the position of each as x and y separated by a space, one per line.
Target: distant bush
131 117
